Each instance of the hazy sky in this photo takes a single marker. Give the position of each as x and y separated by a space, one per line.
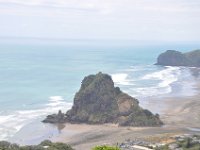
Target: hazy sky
159 20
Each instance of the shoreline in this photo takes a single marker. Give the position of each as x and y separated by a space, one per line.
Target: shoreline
175 112
178 114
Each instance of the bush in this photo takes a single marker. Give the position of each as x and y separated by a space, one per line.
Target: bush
187 143
45 145
4 145
60 146
104 147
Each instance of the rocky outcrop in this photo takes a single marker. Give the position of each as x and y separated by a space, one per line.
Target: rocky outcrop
176 58
56 118
98 102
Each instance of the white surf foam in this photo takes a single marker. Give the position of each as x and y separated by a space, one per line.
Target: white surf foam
150 91
167 76
56 98
164 77
12 123
121 79
56 101
163 80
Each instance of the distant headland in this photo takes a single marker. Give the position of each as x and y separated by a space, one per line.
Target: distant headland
176 58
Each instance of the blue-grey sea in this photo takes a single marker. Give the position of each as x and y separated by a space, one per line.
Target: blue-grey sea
37 79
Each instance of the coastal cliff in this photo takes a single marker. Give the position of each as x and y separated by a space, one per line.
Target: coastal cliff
99 102
176 58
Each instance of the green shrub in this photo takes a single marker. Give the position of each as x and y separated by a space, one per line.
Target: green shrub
60 146
104 147
45 145
187 143
164 147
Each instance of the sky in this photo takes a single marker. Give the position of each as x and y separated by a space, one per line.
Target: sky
143 20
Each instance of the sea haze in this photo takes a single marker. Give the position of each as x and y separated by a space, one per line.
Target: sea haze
39 79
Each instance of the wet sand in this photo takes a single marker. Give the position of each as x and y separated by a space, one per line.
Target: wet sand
181 115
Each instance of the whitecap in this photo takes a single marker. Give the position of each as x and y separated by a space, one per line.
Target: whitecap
56 98
121 79
165 77
167 73
56 101
163 80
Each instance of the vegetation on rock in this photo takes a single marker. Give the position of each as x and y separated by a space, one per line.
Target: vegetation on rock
98 102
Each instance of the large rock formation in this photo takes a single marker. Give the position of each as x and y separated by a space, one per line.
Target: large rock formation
98 102
175 58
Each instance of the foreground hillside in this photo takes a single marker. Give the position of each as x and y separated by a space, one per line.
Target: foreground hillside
45 145
180 142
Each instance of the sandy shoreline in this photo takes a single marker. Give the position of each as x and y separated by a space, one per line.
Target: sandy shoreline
176 117
180 115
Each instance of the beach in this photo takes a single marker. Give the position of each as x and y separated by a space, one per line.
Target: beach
88 73
47 83
171 92
180 116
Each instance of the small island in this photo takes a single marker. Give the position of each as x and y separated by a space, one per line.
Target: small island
176 58
98 101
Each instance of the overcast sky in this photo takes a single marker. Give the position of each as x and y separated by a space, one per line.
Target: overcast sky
148 20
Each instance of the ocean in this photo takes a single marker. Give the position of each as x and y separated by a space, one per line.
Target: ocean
37 79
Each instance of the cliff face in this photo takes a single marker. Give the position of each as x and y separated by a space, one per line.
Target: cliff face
98 102
95 102
175 58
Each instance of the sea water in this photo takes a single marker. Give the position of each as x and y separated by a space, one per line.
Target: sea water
39 79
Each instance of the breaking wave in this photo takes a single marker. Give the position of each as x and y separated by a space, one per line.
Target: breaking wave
11 123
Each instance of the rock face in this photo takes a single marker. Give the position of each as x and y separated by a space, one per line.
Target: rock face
175 58
56 118
98 102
